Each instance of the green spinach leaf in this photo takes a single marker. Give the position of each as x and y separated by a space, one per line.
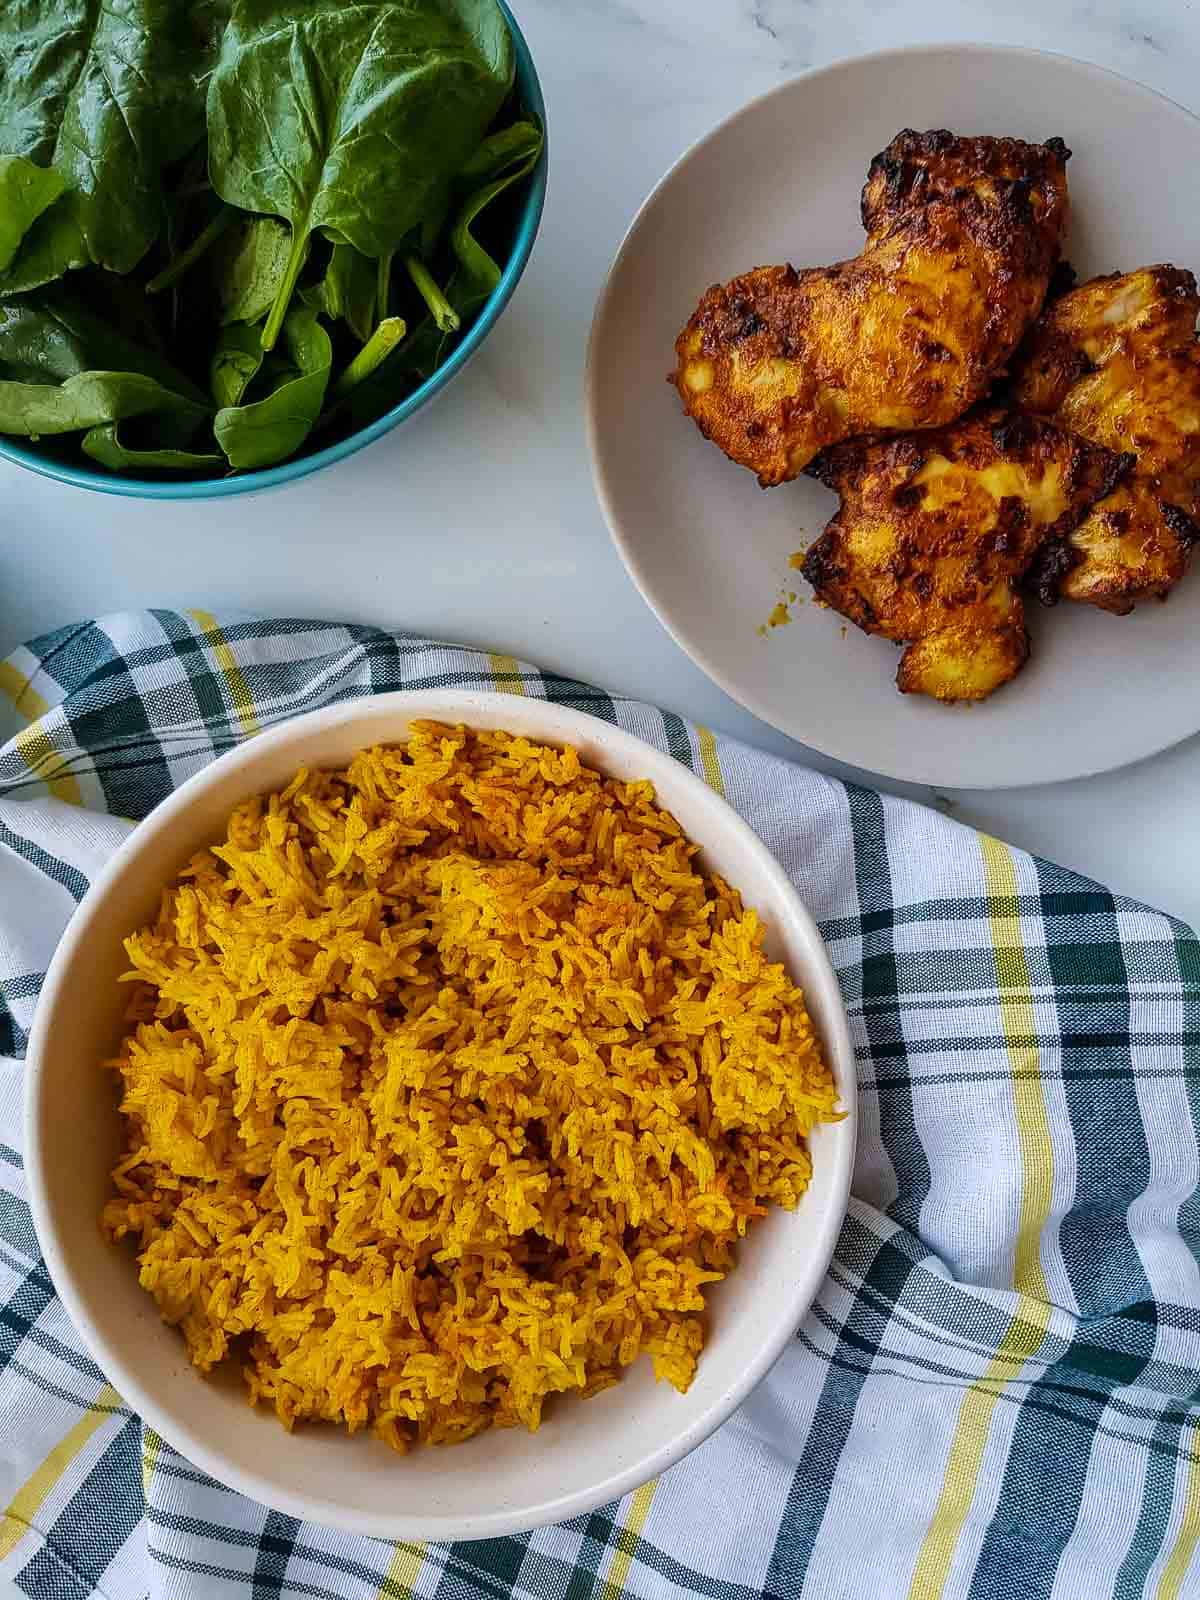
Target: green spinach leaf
348 117
503 159
349 290
84 401
108 94
248 265
508 156
105 446
267 431
25 192
515 152
52 336
433 223
507 148
235 363
53 246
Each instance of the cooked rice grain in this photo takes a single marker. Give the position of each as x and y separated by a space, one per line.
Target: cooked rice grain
450 1082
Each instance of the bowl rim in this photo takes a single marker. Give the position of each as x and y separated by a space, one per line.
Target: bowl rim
532 100
555 723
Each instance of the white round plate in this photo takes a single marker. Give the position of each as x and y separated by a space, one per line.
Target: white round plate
709 549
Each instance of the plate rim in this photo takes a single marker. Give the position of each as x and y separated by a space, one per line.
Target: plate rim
749 700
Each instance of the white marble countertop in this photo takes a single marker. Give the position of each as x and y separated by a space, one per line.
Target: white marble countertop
477 521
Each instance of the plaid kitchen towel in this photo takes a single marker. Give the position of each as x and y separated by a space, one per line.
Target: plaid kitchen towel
996 1393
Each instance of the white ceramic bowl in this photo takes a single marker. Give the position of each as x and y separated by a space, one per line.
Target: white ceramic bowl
587 1452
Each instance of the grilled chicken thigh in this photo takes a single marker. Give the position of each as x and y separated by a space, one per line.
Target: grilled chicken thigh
1116 361
935 532
962 237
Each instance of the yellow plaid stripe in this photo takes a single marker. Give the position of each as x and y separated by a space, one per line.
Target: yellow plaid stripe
26 702
39 755
403 1572
1027 1329
24 1505
1017 1019
151 1445
1170 1585
239 692
960 1480
506 674
33 743
627 1538
710 763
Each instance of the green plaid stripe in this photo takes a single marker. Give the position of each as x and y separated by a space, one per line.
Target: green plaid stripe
908 1442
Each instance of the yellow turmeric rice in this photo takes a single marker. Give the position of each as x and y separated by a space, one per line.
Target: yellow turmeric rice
450 1082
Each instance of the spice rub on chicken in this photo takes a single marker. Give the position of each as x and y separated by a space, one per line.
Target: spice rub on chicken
935 532
962 237
1116 361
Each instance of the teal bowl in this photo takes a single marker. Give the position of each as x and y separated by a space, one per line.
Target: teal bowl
529 216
